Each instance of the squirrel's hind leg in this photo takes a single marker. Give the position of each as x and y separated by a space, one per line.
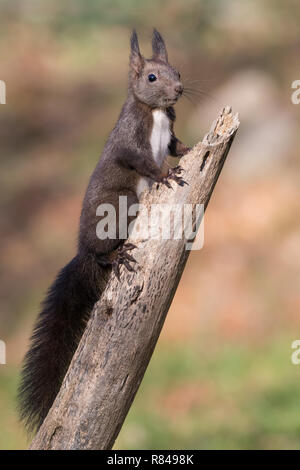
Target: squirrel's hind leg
113 252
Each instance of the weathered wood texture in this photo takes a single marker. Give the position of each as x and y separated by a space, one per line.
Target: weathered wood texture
114 352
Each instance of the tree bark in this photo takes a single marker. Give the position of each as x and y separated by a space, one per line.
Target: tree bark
120 337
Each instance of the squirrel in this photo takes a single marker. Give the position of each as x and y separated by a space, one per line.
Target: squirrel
131 161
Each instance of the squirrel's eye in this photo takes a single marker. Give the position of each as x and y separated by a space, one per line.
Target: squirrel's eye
152 77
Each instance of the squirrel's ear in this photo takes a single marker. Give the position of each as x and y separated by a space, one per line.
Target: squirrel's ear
159 47
136 59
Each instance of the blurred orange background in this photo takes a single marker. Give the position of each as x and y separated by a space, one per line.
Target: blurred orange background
221 376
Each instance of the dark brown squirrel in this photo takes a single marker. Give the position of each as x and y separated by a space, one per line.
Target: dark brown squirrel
131 160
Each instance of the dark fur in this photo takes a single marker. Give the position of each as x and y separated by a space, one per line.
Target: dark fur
127 155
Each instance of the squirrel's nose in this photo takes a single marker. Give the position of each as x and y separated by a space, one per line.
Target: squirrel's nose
178 88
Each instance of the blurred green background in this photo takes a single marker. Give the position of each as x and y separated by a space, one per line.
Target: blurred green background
221 376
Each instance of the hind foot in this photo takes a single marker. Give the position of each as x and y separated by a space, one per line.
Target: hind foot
124 258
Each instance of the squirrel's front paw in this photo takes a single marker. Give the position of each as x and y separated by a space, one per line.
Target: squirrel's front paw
173 174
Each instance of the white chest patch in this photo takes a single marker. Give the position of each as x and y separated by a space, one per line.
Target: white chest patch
159 141
160 136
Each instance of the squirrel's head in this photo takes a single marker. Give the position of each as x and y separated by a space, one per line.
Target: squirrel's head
153 81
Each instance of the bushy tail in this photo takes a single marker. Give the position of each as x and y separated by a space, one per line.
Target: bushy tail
56 335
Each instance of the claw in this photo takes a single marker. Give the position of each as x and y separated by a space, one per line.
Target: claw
129 246
173 174
177 170
124 258
166 182
130 258
116 270
128 266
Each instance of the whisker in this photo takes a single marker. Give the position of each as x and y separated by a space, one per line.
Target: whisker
193 88
194 96
199 93
189 98
193 93
198 81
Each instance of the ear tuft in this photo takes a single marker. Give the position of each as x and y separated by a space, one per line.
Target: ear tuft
134 42
136 59
158 47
